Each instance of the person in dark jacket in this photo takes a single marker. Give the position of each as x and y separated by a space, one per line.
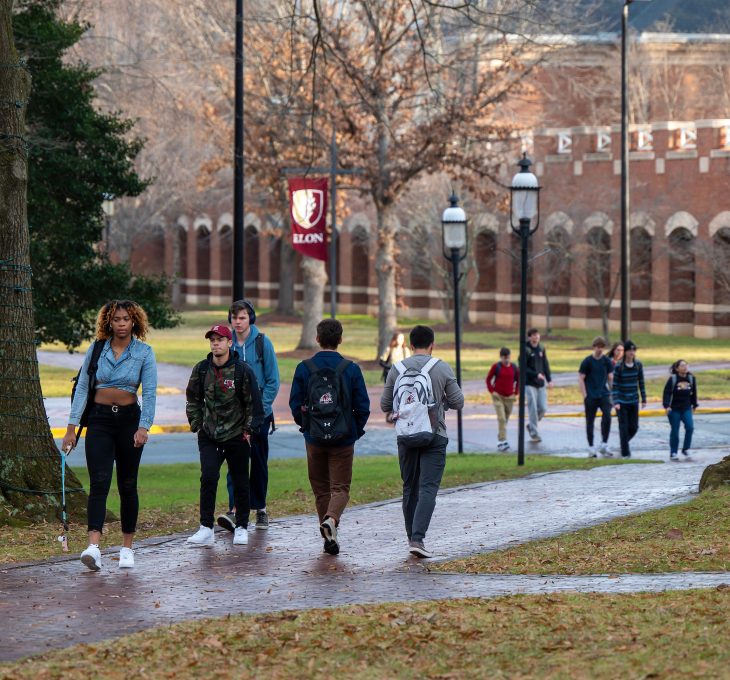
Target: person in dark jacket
680 401
224 409
628 383
595 377
330 465
537 380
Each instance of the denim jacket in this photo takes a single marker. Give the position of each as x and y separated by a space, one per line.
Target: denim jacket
135 365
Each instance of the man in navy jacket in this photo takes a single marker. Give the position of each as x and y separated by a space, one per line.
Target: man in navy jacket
330 465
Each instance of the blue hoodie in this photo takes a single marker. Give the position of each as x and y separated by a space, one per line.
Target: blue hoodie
266 374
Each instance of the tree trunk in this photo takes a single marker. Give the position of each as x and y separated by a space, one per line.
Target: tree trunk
385 269
30 475
287 263
315 277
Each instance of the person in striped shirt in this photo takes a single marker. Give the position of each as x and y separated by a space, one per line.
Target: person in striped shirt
628 384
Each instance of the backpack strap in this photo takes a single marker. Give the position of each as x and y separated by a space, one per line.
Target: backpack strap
259 343
342 367
400 367
430 364
95 354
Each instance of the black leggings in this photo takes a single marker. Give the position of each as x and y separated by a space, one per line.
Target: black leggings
110 438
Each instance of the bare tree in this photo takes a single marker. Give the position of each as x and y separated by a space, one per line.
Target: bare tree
30 480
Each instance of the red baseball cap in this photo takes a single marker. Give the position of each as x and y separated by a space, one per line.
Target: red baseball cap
220 329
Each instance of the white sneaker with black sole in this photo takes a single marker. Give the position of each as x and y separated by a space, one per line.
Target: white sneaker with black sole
328 529
126 558
418 549
592 452
240 536
604 450
91 557
202 538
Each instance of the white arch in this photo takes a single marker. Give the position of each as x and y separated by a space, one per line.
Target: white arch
681 220
598 219
203 222
358 220
183 222
640 219
225 220
251 219
559 219
486 222
719 221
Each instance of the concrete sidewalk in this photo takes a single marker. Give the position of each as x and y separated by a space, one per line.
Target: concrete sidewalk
59 603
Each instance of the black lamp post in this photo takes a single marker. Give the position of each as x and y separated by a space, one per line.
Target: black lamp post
239 275
524 220
453 226
107 206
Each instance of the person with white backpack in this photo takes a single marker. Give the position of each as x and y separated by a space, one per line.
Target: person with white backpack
417 392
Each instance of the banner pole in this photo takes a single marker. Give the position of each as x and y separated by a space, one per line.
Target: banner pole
333 238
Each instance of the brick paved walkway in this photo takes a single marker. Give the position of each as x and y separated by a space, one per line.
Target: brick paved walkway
59 603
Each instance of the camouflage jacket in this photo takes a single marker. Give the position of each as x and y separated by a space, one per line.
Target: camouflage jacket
214 406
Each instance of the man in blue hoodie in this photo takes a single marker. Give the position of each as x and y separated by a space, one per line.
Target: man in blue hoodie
330 403
258 352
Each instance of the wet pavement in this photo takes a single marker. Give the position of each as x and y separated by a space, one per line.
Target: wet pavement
59 603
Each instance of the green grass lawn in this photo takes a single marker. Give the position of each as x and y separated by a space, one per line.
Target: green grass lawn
693 536
169 495
555 636
186 345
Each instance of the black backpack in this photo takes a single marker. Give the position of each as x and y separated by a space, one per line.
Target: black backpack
93 365
327 416
241 368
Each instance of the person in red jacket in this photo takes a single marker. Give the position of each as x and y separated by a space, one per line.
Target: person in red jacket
503 384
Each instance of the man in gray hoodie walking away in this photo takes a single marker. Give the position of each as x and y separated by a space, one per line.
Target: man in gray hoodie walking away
420 381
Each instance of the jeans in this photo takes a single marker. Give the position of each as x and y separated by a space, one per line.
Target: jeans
503 408
628 425
592 404
536 405
421 470
677 416
110 438
212 455
330 475
258 479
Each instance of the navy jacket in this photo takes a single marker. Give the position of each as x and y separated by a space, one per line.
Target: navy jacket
352 380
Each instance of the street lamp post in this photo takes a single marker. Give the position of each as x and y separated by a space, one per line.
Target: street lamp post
107 205
524 220
239 274
453 227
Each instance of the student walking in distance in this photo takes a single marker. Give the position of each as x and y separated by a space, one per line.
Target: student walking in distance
616 353
503 384
330 403
397 351
680 401
114 367
257 350
418 391
221 407
628 383
537 380
595 378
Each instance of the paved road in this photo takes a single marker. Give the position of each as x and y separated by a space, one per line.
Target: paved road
60 603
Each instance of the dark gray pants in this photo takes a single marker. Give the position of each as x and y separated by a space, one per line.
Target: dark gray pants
421 470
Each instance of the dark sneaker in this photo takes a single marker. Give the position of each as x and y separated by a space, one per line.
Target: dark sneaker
227 521
418 549
328 529
262 519
331 547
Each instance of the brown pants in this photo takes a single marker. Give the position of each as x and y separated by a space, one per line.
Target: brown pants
503 409
330 474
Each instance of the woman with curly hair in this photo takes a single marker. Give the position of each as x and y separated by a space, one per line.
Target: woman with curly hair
117 428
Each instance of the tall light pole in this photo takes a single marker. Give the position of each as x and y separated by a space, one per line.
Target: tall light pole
625 227
524 220
238 176
453 227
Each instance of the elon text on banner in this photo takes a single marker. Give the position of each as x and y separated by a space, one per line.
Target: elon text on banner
308 211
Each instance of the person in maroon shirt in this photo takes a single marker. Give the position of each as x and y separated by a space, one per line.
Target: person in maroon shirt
503 385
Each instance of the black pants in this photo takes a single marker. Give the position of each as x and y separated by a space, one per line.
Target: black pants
592 404
110 438
628 425
258 479
212 454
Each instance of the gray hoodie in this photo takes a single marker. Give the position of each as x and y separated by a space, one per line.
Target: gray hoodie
446 391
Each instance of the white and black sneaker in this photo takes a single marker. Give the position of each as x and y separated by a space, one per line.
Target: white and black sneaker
202 538
91 557
673 457
328 529
227 521
686 454
592 452
262 519
604 450
502 445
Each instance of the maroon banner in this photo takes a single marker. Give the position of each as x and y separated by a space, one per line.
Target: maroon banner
308 210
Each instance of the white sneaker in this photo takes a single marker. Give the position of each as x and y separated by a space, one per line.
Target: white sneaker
501 445
126 558
592 452
202 537
604 450
240 536
91 557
